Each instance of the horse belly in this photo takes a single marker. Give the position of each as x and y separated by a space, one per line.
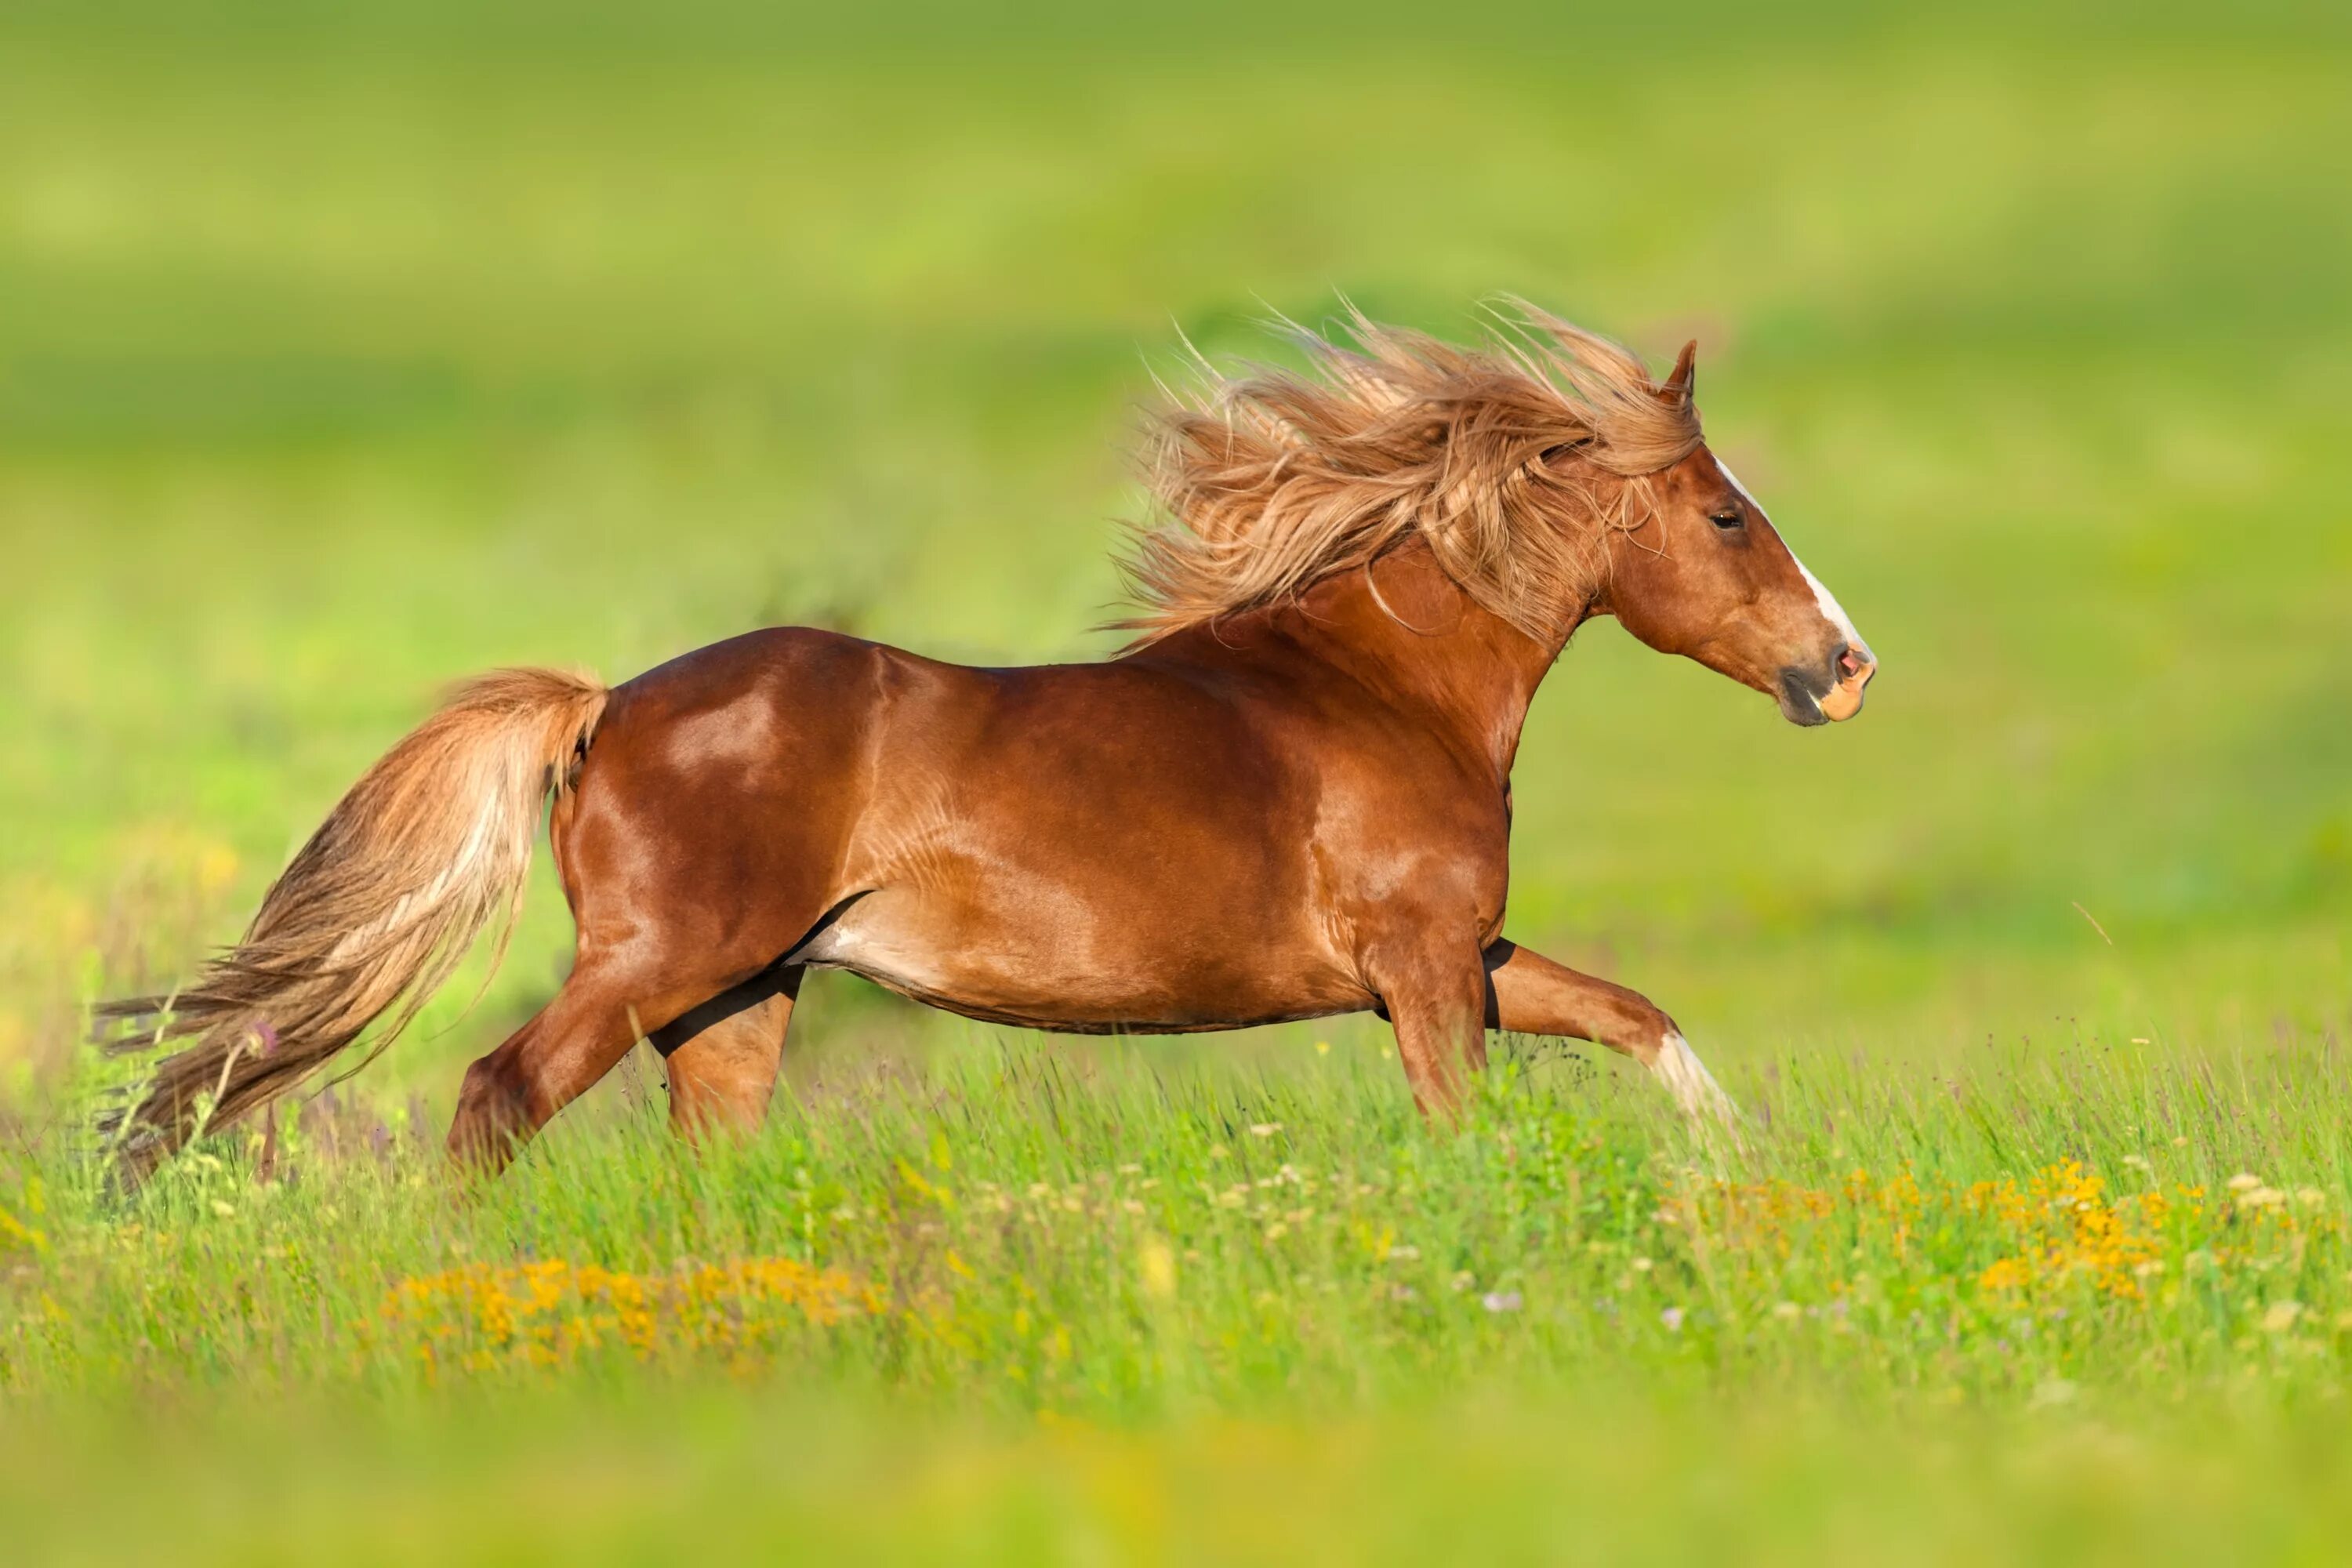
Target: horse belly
1059 963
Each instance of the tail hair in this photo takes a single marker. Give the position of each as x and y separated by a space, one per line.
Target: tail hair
431 846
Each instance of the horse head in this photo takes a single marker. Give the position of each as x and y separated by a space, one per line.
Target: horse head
1701 572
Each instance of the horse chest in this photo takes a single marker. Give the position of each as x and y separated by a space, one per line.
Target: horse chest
1434 853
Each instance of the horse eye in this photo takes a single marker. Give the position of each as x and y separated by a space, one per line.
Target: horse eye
1726 520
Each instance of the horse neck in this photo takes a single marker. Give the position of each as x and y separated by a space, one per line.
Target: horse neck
1405 630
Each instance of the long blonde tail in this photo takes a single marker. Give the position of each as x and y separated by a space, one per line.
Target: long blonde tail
429 848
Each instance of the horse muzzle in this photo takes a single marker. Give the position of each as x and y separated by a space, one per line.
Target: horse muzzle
1829 695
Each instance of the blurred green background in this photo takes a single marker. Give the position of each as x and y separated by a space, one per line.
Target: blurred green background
345 351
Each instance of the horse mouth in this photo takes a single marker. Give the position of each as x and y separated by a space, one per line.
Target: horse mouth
1843 701
1799 702
1825 697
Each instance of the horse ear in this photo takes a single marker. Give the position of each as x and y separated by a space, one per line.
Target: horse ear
1677 386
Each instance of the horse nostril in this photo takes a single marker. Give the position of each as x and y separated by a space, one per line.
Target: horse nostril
1852 662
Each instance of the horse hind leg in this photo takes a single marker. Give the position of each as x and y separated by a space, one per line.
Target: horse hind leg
604 1008
723 1056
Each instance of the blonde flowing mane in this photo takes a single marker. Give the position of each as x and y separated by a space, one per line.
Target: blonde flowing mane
1511 458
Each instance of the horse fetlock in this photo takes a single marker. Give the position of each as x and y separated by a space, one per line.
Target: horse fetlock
1688 1080
493 1117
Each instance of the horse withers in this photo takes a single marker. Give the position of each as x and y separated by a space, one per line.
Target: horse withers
1288 798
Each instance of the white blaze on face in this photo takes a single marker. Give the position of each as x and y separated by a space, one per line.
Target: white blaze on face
1831 611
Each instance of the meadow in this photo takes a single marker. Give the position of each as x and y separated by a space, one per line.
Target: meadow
345 353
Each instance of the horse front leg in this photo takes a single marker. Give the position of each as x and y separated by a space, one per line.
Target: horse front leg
1433 998
1528 993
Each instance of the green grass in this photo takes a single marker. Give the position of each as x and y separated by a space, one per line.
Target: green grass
1107 1302
343 352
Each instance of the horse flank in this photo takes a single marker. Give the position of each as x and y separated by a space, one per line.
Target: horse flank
1274 481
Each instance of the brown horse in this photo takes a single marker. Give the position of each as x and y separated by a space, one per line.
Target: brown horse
1289 799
